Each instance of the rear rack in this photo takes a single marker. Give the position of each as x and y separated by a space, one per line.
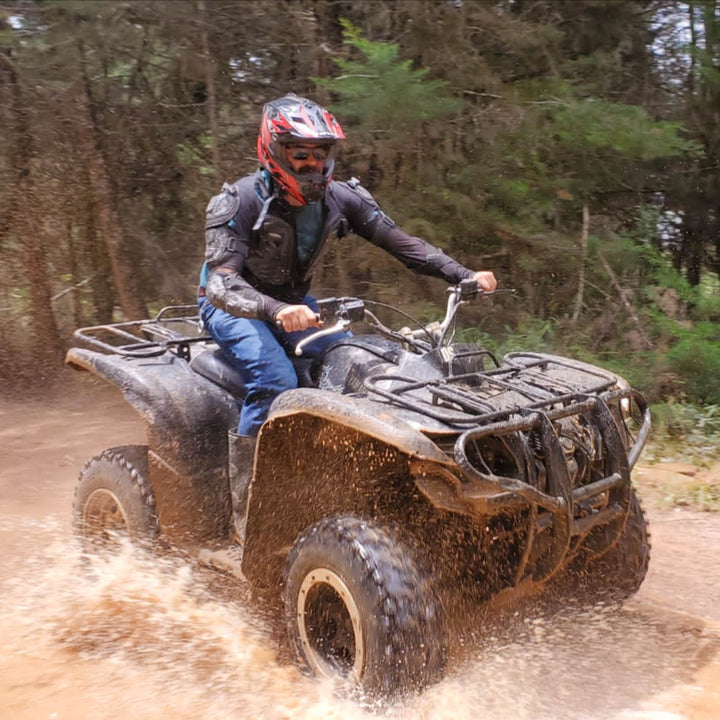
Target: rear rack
167 331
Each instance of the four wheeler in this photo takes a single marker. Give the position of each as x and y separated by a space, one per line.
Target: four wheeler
408 476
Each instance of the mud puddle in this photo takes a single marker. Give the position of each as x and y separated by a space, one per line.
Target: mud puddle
137 636
141 636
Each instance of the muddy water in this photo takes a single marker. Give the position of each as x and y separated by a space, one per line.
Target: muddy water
139 636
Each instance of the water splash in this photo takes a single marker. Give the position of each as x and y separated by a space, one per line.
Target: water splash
141 636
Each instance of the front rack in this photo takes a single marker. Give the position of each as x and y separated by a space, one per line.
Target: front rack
528 381
522 399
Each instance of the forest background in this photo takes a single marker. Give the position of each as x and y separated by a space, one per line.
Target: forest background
572 146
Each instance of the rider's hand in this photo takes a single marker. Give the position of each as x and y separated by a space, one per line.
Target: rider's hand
294 318
486 280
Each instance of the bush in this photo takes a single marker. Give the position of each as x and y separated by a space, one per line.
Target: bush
697 362
686 431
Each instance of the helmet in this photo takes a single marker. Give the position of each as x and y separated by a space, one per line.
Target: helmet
292 119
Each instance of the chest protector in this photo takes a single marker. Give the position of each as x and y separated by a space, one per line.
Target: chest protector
273 258
269 246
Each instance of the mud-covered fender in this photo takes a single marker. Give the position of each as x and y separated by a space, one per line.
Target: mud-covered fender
371 418
187 419
321 453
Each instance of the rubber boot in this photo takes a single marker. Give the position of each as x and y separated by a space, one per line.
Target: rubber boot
241 458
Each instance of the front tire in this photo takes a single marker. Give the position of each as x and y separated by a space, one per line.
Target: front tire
358 608
113 499
618 573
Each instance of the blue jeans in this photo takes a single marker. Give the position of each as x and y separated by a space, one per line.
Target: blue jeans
259 351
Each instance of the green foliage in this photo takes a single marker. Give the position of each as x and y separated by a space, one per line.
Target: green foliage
702 301
189 155
533 334
559 152
451 213
627 130
666 276
647 218
685 362
380 92
681 420
706 302
422 227
687 432
550 120
697 360
710 77
513 194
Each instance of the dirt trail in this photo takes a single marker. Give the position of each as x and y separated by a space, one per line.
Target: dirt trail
145 638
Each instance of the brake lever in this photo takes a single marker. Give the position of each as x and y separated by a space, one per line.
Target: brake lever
340 325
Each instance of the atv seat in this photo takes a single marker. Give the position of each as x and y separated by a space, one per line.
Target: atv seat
214 366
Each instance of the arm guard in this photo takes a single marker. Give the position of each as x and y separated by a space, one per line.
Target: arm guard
229 220
231 293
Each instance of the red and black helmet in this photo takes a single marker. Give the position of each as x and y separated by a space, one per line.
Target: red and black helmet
293 119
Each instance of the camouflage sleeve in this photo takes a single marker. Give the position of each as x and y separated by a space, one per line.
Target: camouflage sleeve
233 294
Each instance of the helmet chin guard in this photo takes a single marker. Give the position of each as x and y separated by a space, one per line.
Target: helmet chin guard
292 119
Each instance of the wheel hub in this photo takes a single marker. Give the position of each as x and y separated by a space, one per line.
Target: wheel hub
329 626
103 515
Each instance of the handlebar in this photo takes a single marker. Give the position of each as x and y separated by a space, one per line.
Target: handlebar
347 310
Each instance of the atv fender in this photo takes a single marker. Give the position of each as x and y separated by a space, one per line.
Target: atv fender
187 419
320 454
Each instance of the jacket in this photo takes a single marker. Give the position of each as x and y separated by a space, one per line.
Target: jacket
251 254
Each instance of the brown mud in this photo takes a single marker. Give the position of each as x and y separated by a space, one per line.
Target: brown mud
146 637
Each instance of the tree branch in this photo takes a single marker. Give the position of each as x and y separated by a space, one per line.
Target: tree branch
623 294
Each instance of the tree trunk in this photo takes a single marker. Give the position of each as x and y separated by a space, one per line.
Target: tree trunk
211 103
583 262
693 50
102 291
109 224
75 279
624 298
45 343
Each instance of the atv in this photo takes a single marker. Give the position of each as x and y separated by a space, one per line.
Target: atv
407 481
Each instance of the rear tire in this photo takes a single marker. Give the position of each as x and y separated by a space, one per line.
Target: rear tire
113 499
358 608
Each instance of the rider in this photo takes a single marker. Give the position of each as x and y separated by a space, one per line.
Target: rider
265 234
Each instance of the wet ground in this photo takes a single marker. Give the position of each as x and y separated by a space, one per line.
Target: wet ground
146 637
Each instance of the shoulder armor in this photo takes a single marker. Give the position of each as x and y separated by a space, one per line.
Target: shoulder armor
222 208
362 211
354 184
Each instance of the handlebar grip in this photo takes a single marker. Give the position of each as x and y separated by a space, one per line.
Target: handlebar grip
279 324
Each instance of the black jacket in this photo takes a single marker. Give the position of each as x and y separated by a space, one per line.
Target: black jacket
251 248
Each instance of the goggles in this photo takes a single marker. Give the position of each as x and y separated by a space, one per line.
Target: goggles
317 152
